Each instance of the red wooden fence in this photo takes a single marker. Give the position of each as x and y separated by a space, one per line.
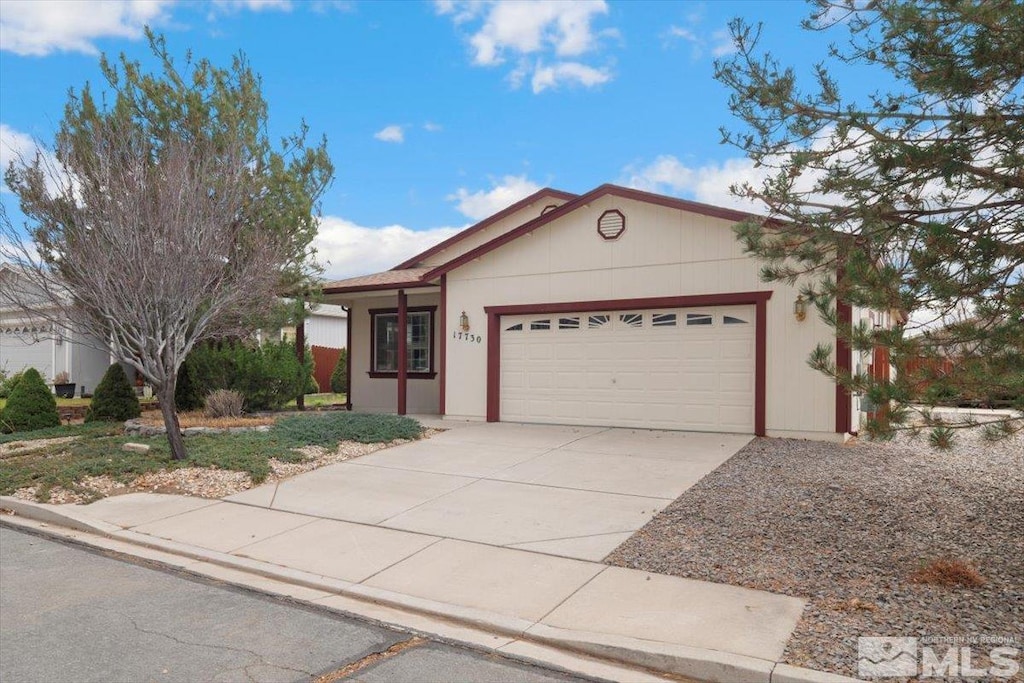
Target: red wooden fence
324 361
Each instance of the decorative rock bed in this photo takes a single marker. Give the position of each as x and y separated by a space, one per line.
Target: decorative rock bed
141 429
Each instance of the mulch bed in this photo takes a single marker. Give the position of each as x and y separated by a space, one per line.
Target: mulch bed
850 528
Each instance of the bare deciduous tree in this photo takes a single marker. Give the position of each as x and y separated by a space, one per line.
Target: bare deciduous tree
165 220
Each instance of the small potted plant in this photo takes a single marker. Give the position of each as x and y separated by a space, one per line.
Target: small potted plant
62 387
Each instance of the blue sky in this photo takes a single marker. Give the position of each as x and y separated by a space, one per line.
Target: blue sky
437 114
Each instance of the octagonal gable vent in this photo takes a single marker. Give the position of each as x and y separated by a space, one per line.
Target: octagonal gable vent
611 224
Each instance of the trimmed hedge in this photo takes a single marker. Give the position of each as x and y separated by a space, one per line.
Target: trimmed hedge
114 398
268 376
31 405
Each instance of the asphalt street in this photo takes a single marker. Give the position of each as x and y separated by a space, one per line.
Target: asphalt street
71 614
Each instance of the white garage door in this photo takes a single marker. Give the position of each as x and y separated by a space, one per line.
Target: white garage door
18 352
684 368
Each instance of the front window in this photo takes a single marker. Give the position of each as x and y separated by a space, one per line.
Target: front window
384 330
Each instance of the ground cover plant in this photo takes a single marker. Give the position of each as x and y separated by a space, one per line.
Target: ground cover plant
97 451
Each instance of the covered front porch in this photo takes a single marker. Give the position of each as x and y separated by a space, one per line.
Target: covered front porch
395 341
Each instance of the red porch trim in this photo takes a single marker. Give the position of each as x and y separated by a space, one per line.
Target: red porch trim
758 299
493 365
443 357
844 362
727 299
348 356
761 366
403 350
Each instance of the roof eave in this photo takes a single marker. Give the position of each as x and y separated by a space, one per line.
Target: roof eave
477 227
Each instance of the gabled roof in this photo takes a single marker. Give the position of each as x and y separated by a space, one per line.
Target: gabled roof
583 200
406 276
484 224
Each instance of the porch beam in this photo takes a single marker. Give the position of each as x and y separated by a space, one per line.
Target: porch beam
403 350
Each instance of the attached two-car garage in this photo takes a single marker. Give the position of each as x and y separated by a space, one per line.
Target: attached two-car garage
691 368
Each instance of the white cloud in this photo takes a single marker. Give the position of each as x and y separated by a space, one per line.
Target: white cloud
533 32
347 249
718 42
722 43
483 203
16 146
391 134
31 27
545 77
432 127
253 5
708 183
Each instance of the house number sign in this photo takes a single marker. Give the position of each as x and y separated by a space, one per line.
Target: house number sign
467 337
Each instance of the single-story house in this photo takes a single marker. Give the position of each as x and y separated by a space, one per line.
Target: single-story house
28 341
616 307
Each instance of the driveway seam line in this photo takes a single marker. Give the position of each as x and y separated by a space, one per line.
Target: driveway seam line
176 514
437 540
279 533
570 488
570 538
430 500
586 583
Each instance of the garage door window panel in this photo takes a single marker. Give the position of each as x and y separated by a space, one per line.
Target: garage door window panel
699 319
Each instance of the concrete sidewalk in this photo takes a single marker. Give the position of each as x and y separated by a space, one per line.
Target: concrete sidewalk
697 629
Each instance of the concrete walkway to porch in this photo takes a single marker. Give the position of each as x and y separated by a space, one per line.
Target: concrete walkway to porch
458 527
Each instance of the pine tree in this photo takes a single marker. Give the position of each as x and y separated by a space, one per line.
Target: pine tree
910 203
114 398
339 378
30 406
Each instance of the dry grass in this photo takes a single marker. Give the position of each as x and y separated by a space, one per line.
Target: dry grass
198 419
950 572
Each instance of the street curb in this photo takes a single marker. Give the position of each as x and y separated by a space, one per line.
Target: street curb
676 660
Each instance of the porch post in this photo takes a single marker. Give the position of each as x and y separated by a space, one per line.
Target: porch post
300 353
403 351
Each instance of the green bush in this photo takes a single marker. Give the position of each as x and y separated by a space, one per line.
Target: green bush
187 394
268 376
8 382
339 378
31 405
114 398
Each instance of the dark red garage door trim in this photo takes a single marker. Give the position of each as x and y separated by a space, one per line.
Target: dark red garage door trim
759 299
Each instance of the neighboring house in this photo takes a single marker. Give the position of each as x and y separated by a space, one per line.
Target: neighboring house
616 307
326 333
326 326
29 341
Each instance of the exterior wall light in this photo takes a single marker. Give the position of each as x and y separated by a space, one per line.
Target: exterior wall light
800 308
464 322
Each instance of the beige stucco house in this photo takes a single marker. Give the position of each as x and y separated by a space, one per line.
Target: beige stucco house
616 307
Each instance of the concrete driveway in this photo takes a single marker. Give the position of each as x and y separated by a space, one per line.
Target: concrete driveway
568 491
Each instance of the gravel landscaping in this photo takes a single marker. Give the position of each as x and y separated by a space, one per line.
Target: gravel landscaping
849 528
